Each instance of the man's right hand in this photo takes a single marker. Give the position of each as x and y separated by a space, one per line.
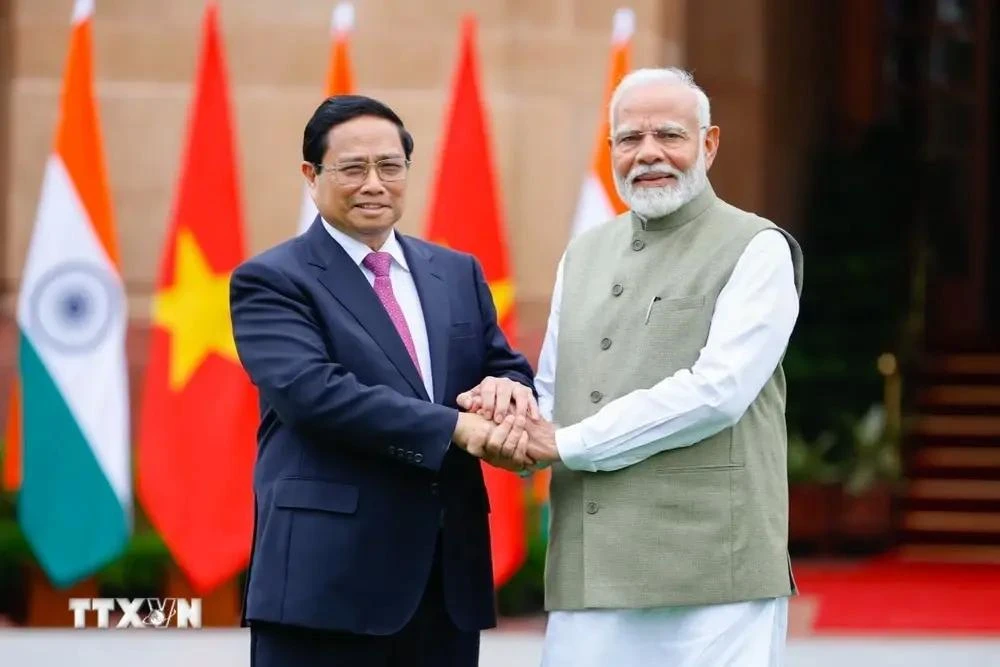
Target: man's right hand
503 445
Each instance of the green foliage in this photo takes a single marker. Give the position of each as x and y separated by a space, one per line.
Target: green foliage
809 461
876 456
140 571
14 550
524 593
856 298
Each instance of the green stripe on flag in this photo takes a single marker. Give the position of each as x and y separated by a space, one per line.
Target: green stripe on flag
68 511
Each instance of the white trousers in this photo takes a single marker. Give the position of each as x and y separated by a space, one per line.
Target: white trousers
743 634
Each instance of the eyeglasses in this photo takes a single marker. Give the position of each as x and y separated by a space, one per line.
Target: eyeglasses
666 137
356 173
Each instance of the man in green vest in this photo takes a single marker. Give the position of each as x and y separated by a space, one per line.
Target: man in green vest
662 396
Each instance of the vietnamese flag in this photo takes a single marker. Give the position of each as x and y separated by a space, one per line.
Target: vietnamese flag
12 440
196 445
465 215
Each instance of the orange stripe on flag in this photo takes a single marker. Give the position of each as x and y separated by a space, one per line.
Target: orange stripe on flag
601 161
339 79
78 141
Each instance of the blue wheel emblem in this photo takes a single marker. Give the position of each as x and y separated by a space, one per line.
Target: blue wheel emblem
73 306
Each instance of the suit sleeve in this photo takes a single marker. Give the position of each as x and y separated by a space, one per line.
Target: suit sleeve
501 360
281 348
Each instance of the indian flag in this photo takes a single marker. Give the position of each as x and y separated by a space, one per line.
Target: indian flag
599 201
339 81
75 499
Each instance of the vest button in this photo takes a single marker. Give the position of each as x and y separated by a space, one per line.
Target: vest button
638 245
595 397
591 507
617 290
605 343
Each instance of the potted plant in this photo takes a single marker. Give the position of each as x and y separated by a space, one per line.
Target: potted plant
813 487
865 519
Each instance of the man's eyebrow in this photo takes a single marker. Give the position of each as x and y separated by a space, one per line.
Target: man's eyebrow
357 157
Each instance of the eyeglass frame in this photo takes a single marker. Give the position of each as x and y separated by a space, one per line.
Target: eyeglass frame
614 139
337 170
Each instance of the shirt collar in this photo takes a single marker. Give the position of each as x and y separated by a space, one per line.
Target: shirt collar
358 250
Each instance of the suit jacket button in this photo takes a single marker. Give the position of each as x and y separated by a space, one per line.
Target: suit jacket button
605 343
617 289
418 457
392 450
435 488
591 507
596 396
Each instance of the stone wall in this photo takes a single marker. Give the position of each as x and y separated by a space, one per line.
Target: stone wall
543 67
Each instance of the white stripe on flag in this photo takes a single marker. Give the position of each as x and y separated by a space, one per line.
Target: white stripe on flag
72 307
593 207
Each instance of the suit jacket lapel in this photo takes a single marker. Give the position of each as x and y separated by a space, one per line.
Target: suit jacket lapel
437 313
344 280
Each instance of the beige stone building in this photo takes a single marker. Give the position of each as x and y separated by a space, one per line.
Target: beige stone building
785 77
543 69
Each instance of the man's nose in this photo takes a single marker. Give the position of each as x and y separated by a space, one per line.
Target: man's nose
649 150
372 184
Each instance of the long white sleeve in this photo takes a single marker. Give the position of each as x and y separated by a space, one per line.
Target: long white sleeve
545 378
752 323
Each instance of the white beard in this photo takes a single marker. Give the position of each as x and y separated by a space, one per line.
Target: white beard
658 202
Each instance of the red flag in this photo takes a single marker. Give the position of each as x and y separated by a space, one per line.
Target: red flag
465 215
197 434
12 440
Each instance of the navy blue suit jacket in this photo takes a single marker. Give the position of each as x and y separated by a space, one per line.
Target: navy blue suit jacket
355 474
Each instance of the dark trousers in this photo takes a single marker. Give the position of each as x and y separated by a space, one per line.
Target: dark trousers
430 639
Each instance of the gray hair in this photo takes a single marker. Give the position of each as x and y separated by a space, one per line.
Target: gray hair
667 76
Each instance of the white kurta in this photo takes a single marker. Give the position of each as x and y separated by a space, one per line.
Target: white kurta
752 323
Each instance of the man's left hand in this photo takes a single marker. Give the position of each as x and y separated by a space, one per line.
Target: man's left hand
531 441
541 441
492 399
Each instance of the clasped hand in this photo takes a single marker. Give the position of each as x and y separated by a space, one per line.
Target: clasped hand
502 425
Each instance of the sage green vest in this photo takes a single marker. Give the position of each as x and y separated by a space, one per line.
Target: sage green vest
702 524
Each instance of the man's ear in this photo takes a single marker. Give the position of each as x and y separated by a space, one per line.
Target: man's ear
309 171
711 145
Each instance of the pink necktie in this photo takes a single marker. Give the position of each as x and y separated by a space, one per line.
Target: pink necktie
378 263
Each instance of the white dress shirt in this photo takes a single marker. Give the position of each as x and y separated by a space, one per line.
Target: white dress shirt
403 288
751 325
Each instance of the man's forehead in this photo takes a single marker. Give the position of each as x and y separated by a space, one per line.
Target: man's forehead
658 104
365 136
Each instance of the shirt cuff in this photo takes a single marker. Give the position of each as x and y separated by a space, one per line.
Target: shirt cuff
572 449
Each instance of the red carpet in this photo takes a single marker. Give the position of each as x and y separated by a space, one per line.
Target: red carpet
888 595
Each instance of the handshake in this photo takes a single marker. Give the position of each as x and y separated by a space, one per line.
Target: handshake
501 424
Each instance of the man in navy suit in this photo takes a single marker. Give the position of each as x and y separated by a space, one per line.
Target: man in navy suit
371 538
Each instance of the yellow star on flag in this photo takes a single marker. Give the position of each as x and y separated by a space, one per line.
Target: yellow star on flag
503 297
502 290
195 311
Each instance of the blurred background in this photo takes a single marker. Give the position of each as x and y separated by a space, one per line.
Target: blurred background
867 128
